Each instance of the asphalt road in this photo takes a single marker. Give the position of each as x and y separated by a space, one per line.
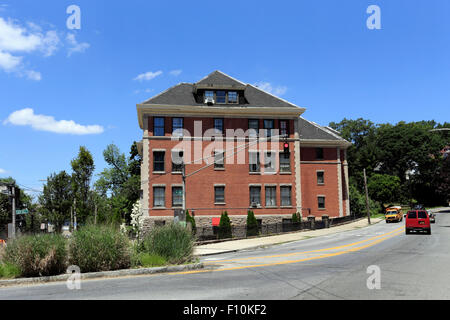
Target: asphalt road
413 266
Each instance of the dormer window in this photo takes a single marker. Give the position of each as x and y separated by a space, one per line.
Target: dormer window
232 97
209 94
221 97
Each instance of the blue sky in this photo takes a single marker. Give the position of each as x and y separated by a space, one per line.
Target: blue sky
316 54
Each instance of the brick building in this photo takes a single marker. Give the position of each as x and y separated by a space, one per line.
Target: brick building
240 149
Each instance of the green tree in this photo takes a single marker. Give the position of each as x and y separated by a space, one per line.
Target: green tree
83 168
384 188
120 183
252 224
225 227
56 199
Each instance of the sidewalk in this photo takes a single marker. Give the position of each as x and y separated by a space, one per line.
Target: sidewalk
243 244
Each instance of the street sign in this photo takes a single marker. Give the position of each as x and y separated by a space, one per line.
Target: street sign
4 189
24 211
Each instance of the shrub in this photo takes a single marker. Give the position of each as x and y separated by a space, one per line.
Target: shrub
173 242
99 248
252 224
38 255
295 217
225 227
191 219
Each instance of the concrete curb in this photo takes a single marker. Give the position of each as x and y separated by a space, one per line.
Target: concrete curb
104 274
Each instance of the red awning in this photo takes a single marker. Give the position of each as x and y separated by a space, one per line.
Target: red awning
215 222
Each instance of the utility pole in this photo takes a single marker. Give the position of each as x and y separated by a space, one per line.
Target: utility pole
95 217
183 173
367 196
71 219
75 213
13 196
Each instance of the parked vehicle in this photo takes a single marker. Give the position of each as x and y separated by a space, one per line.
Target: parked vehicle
394 214
432 218
418 220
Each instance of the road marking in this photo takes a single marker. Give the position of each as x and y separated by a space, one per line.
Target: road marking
328 255
312 251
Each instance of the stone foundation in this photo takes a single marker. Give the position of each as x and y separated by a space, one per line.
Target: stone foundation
269 224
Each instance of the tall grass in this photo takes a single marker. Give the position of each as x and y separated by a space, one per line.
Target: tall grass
99 248
37 255
172 242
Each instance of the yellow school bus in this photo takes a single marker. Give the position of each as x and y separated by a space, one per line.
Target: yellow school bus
394 214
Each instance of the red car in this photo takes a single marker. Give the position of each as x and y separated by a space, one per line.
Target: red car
418 220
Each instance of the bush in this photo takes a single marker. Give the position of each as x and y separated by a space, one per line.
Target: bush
173 242
225 227
191 219
99 248
9 271
296 217
39 255
252 224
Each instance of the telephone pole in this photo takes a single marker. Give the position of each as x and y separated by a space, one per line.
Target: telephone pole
183 173
367 196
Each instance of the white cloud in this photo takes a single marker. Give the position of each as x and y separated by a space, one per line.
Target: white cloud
16 39
8 62
75 46
26 117
175 73
148 76
2 171
143 90
268 87
33 75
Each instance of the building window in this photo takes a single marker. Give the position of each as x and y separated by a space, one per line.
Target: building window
177 127
219 160
221 97
219 194
321 202
319 153
232 97
159 199
255 196
209 95
269 162
254 161
253 127
271 196
285 162
284 128
158 127
320 177
158 161
218 126
268 126
286 192
177 196
177 161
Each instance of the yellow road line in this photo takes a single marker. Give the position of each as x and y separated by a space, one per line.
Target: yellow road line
328 255
304 252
